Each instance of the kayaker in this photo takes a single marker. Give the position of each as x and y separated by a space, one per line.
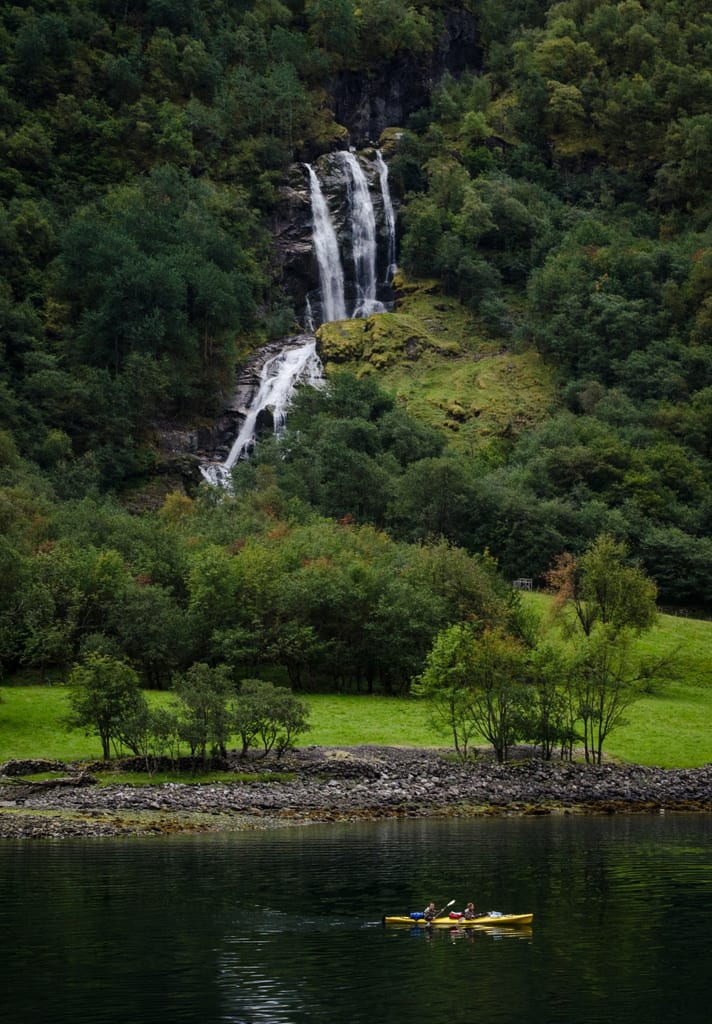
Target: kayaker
430 912
469 913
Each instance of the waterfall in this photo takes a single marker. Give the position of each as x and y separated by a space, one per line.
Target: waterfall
363 237
308 317
326 247
298 361
388 215
279 377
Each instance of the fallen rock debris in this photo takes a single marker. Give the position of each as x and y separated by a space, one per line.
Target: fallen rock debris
336 784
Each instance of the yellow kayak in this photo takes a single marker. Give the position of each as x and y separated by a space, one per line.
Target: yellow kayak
485 920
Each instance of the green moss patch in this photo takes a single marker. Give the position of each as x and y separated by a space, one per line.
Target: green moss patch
439 361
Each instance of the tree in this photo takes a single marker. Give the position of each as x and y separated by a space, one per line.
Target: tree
433 498
477 683
608 679
15 577
612 602
247 711
550 716
333 26
152 271
291 718
603 589
153 631
104 695
271 712
203 715
152 733
445 684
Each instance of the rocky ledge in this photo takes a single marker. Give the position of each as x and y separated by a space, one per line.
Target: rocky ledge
318 784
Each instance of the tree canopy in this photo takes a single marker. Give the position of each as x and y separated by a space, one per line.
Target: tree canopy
555 187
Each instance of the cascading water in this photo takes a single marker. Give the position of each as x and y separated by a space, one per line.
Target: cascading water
363 237
278 379
298 361
388 216
326 248
308 317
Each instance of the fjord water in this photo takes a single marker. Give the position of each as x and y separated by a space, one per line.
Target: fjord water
284 926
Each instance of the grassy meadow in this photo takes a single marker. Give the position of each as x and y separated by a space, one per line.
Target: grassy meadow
669 728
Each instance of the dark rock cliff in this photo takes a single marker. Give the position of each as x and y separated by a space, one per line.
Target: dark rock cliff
366 104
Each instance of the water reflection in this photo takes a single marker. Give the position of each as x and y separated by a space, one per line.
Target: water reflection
471 934
249 991
286 927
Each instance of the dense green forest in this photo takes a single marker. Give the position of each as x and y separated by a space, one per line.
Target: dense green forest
558 189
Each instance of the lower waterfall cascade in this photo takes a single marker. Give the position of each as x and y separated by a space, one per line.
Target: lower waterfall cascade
298 362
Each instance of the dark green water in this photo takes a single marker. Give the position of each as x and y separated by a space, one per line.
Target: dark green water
284 927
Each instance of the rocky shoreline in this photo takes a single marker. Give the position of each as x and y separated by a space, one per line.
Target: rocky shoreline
325 784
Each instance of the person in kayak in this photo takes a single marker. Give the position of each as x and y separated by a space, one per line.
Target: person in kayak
469 913
430 912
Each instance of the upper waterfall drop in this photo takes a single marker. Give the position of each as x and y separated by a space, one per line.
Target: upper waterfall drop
279 377
353 236
326 248
388 216
363 237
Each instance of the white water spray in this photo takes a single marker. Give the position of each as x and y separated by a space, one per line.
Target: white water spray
363 237
326 248
308 317
279 377
388 216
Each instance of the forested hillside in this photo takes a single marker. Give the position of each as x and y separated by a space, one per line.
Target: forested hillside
552 169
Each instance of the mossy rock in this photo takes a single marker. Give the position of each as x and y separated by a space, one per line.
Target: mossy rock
440 362
455 411
382 340
388 141
341 341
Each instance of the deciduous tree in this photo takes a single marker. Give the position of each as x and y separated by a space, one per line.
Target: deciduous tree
104 694
477 683
603 588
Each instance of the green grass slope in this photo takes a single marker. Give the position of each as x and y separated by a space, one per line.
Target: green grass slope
439 361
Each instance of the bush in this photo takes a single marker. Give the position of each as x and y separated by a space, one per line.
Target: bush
271 713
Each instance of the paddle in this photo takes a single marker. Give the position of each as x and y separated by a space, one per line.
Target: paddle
439 912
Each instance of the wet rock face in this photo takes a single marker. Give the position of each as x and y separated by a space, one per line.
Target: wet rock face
292 229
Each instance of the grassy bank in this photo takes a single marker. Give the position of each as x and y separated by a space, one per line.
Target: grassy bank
671 729
445 368
31 716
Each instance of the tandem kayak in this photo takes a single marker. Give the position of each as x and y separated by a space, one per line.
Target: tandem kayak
484 921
